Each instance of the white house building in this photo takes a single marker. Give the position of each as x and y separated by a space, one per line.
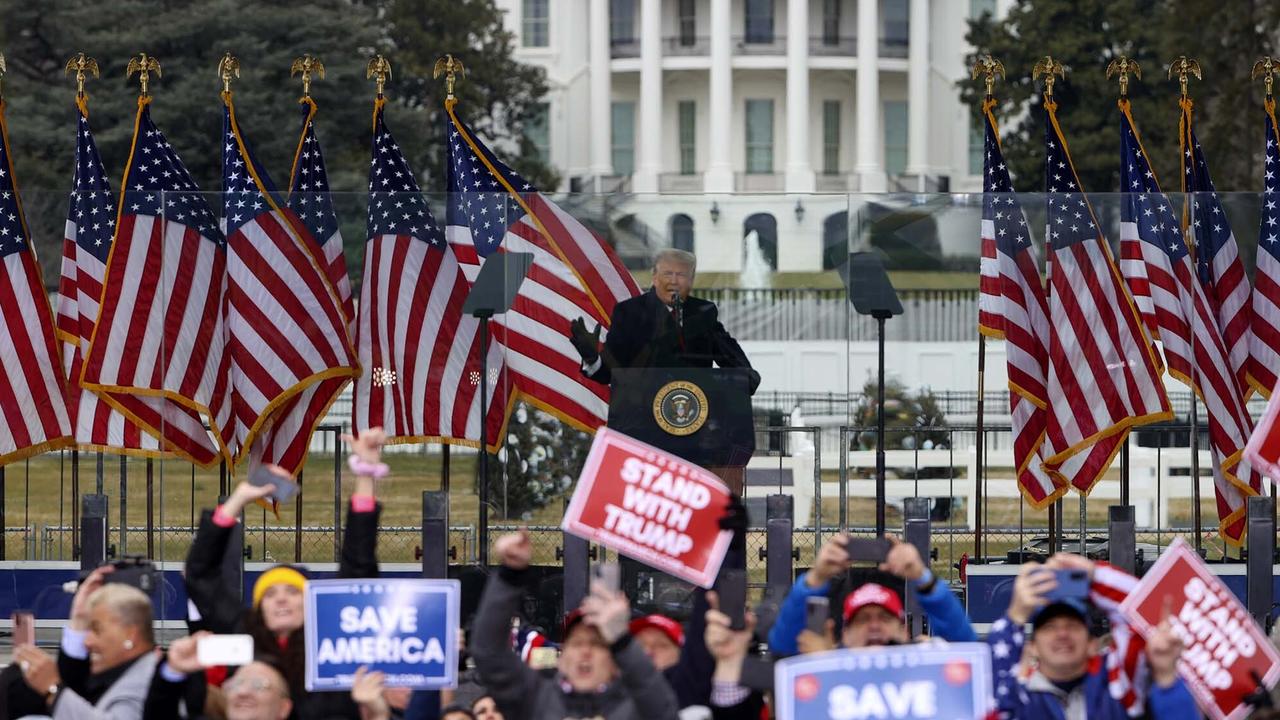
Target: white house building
705 120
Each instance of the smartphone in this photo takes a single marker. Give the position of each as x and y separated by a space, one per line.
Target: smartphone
731 587
609 574
24 628
874 550
543 658
226 650
1072 584
816 612
284 487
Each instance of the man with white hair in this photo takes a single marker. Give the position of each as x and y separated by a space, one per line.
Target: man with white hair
663 327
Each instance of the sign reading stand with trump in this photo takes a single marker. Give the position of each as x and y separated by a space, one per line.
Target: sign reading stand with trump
1223 648
404 628
952 682
652 506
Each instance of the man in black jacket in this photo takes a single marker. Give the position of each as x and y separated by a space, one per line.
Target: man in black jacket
663 327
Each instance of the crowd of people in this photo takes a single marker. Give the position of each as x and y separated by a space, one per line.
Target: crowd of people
1052 656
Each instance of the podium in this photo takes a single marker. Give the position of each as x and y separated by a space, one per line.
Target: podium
701 414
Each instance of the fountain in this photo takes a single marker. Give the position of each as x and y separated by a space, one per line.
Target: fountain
756 272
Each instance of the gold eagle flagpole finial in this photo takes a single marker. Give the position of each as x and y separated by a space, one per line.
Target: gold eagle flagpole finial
81 65
1048 67
451 67
308 66
379 68
228 67
144 65
1266 68
1182 67
1123 66
990 68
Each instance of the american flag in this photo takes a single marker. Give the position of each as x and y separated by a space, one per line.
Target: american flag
1217 257
309 199
1181 318
33 399
158 350
1018 313
1264 343
420 353
574 274
291 353
91 224
1103 376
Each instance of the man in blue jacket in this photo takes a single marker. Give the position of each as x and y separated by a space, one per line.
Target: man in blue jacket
872 613
1063 676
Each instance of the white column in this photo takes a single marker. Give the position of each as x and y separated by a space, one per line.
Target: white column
719 174
918 90
799 178
869 163
649 142
601 91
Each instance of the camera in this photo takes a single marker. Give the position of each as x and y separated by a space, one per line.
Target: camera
136 571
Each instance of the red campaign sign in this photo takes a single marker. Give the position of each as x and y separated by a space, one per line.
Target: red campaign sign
1221 642
652 506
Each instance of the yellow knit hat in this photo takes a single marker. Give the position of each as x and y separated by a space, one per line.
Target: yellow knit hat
281 574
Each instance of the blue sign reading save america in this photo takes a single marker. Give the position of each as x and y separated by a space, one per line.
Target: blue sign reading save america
951 682
404 628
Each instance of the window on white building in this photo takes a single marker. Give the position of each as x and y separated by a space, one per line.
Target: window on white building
688 112
623 138
977 148
622 22
895 18
977 8
536 21
830 137
831 22
895 138
688 23
759 19
760 136
538 130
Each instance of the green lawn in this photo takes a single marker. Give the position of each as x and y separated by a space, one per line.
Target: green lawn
38 495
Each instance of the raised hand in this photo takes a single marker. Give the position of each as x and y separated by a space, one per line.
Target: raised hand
1029 588
587 343
903 560
515 550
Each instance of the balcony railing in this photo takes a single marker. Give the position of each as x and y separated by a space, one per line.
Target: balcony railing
686 45
760 45
624 48
680 182
893 47
826 45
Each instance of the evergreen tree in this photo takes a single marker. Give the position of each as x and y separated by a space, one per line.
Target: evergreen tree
537 466
188 39
497 98
1085 35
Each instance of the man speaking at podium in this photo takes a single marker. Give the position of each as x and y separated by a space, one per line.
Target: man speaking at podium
662 328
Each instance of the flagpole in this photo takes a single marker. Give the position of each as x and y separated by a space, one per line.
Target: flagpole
1123 66
1182 67
980 474
989 67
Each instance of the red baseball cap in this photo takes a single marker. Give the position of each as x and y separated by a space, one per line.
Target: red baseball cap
662 623
873 594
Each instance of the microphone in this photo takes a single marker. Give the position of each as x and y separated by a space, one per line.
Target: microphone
677 304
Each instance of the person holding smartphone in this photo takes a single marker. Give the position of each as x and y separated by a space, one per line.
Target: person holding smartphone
873 613
276 617
1066 676
602 672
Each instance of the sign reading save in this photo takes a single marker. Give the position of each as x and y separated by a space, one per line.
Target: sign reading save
405 628
652 506
883 683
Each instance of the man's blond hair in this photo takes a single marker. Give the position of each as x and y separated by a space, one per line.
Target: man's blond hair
130 605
